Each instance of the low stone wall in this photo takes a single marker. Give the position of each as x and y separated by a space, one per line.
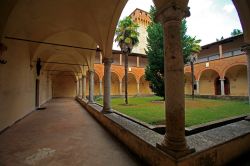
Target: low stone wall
213 147
241 98
144 150
220 154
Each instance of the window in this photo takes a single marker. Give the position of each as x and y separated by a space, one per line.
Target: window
228 54
237 52
213 57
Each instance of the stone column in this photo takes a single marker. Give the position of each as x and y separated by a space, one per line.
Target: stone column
246 49
120 87
222 86
80 89
77 87
84 87
174 142
138 88
197 87
107 85
100 87
91 86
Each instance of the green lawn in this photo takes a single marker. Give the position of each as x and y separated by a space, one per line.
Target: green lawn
198 111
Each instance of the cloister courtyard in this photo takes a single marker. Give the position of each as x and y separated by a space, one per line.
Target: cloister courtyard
198 111
62 86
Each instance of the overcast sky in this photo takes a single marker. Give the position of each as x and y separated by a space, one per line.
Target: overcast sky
210 19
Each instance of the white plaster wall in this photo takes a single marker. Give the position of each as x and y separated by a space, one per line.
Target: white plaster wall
45 88
17 84
64 86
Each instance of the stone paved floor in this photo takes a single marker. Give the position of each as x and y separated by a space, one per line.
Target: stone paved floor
62 134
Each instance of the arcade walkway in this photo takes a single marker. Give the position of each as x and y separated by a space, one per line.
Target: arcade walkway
62 134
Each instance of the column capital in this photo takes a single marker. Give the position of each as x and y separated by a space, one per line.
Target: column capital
172 12
246 48
107 61
83 76
91 70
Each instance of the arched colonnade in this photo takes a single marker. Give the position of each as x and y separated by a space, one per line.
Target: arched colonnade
67 42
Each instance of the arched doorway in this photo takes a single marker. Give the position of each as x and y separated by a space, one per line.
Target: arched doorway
217 85
209 82
237 76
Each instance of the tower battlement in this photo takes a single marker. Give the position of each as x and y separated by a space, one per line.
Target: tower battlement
142 18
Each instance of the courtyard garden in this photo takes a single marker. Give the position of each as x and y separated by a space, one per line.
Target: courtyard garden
198 111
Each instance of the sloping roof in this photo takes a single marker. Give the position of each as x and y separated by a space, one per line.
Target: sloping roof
227 40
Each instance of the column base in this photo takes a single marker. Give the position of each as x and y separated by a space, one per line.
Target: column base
175 154
91 102
106 111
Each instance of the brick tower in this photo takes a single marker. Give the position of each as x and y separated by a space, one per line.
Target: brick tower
142 18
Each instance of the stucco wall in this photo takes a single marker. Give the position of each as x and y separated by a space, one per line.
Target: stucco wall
64 86
225 67
132 85
17 85
207 82
144 87
45 88
188 83
188 87
115 84
238 80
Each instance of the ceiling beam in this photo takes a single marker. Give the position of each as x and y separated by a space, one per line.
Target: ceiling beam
54 44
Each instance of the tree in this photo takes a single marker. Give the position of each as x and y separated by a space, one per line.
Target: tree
155 51
190 44
127 37
236 32
222 38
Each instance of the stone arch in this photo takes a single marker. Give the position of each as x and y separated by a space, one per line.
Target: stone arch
118 74
144 86
207 82
97 90
115 84
205 69
237 77
243 9
232 65
136 75
132 84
